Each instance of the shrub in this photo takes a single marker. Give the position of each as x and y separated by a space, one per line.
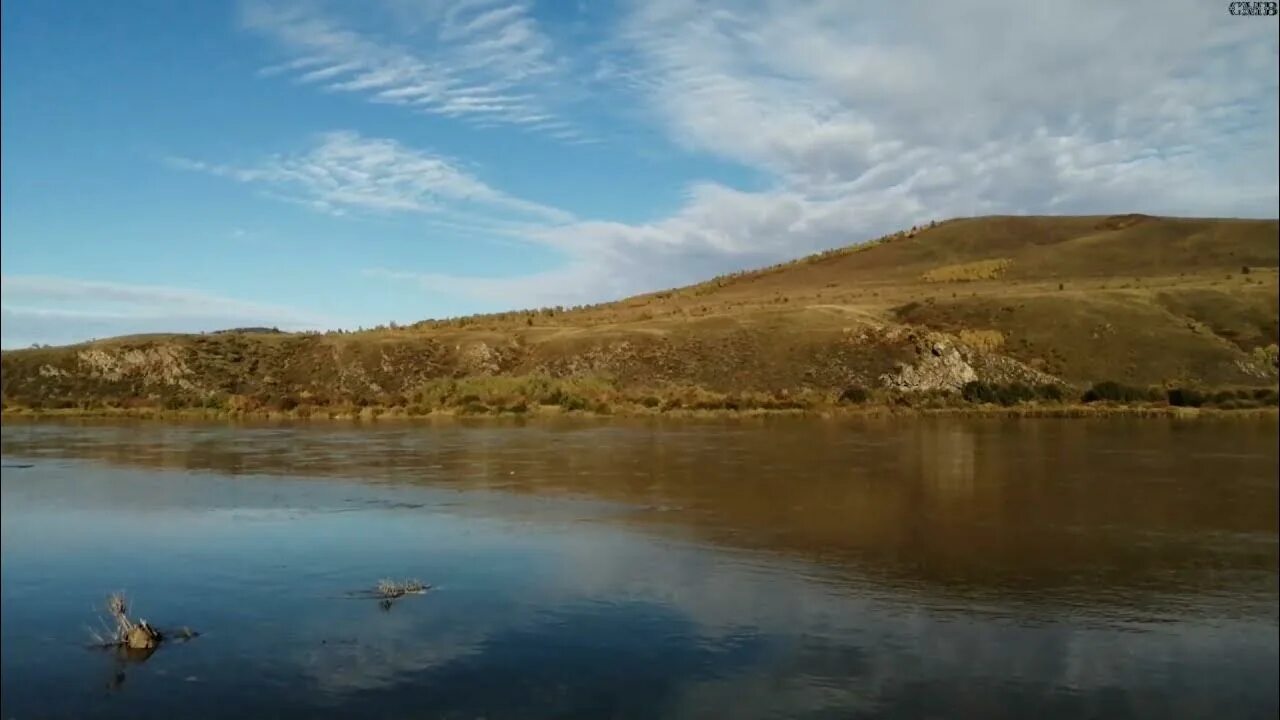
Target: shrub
569 401
855 395
1051 392
1014 393
1109 390
1185 397
977 391
1007 394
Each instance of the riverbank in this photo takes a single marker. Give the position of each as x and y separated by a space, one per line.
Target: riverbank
1075 410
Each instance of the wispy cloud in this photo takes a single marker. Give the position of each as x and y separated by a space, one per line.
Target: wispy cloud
484 62
55 310
344 171
827 92
867 120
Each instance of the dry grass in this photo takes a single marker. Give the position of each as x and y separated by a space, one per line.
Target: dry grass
968 272
741 341
985 340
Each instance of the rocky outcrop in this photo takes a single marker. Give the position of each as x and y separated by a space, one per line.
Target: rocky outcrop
945 364
940 366
479 359
1263 363
142 637
156 364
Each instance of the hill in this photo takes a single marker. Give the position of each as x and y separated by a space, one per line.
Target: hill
1036 301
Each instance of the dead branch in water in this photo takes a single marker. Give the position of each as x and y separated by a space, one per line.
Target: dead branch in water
121 631
391 589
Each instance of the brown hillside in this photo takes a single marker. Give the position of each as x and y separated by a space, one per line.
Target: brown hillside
1137 299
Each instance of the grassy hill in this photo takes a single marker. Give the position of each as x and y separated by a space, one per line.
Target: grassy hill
910 318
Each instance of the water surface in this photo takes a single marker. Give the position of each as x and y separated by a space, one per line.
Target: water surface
780 568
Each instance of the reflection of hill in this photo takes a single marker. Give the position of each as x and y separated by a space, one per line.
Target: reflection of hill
1088 510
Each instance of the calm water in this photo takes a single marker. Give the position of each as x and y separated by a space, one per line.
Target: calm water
787 569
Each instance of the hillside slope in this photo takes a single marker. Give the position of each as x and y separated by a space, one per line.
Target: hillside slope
1135 299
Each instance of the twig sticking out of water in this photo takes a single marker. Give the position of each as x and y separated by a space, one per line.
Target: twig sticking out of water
123 632
392 589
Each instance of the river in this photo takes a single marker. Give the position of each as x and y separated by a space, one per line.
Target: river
755 568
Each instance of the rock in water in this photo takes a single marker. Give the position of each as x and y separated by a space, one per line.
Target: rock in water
142 637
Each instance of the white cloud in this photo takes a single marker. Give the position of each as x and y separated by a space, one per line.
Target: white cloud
861 120
484 62
344 171
52 310
827 89
870 119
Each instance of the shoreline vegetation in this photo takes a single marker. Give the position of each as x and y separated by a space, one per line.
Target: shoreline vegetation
541 397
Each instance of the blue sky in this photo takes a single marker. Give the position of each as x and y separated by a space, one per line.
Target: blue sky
190 166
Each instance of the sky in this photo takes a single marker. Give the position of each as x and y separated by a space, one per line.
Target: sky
314 165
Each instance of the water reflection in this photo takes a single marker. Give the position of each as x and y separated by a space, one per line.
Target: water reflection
975 506
649 570
121 659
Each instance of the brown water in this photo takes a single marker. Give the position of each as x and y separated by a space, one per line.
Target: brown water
780 568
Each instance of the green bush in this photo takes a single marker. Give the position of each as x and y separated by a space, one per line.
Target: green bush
1014 394
855 395
569 401
1051 392
1111 391
1185 397
1223 396
999 394
977 391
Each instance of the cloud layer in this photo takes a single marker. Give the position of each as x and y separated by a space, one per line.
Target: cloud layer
867 121
850 120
